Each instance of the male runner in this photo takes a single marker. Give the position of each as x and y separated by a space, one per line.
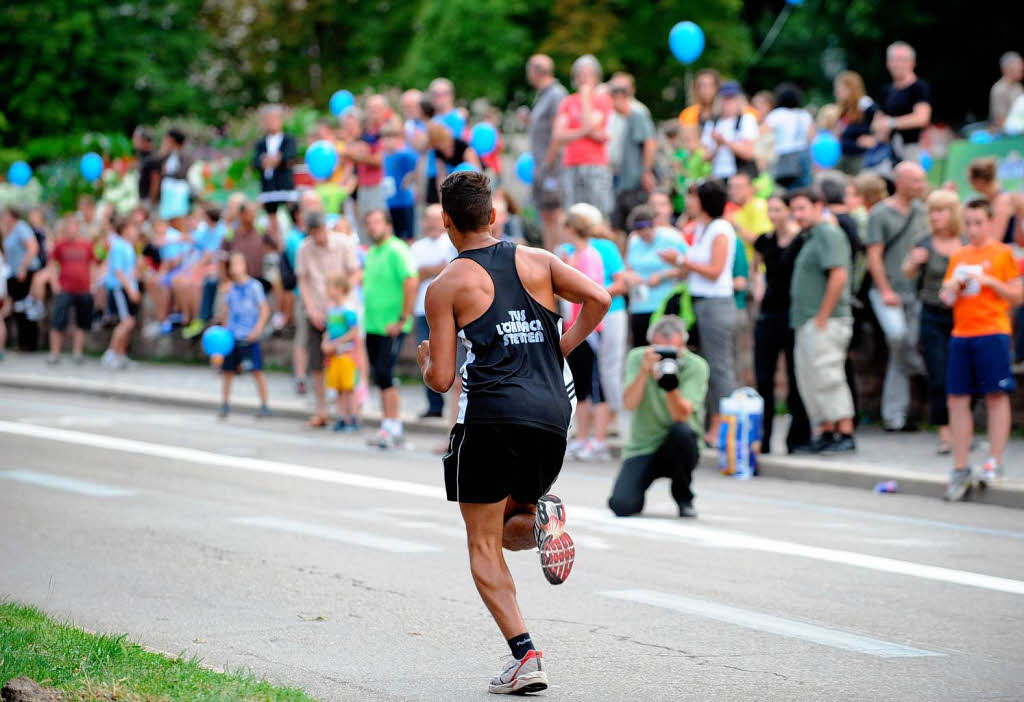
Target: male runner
508 444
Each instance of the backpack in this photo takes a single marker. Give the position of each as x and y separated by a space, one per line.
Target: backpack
748 166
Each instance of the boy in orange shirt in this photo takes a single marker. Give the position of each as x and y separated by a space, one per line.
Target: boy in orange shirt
982 283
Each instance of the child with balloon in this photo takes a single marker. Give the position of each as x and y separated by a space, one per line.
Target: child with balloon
246 314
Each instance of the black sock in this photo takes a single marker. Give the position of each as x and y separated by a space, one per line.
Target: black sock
521 645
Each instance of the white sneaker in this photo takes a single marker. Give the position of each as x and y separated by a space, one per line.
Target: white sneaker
519 677
594 451
575 448
107 361
384 439
990 472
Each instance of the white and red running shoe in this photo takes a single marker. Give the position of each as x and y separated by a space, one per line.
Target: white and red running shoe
519 677
557 550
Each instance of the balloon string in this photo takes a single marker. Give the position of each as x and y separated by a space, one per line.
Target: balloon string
773 34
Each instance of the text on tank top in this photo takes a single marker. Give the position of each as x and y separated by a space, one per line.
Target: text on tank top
514 371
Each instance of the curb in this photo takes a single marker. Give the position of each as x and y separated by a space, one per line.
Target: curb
805 469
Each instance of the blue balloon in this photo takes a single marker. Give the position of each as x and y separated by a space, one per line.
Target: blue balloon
341 101
19 173
464 166
686 40
91 166
321 159
982 136
825 150
926 161
218 341
524 167
483 138
794 2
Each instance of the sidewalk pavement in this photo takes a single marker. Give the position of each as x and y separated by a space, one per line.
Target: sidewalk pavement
909 459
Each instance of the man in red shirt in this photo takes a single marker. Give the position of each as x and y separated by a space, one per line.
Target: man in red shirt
582 127
367 153
74 256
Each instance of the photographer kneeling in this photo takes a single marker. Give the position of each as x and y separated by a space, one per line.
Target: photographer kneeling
665 389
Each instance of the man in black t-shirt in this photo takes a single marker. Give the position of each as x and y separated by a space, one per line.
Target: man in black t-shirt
905 108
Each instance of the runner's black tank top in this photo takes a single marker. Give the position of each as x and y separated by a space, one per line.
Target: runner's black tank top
514 371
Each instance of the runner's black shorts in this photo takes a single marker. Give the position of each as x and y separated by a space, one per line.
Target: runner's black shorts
486 463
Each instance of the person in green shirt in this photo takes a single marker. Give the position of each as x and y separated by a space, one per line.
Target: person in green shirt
821 317
664 437
390 281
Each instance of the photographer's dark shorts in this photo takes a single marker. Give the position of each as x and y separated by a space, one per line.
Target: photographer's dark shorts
81 303
486 463
382 352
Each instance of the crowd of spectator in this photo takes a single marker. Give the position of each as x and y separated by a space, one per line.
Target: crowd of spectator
675 222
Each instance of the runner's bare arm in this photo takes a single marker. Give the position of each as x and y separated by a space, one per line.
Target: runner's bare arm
568 283
437 356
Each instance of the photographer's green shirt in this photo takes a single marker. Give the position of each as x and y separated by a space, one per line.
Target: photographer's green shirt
652 419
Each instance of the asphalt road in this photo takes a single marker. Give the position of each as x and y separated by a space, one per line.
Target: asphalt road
318 562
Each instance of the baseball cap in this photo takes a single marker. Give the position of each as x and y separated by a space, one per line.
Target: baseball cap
730 88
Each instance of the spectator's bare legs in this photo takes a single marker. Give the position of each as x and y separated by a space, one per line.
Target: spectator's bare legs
161 298
300 360
119 337
584 419
225 387
389 403
261 386
997 404
77 341
602 418
287 307
552 228
484 533
182 292
519 519
56 342
316 379
346 403
961 424
3 324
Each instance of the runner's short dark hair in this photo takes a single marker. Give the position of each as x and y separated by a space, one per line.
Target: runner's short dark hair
466 199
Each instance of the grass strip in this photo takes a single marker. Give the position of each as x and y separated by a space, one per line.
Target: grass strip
88 666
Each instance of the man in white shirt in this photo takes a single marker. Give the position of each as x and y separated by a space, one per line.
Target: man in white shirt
431 254
729 140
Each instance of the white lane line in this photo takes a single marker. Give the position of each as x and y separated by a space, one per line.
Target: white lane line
758 621
348 536
588 516
59 482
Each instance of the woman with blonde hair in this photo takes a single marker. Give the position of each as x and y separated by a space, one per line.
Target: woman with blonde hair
856 111
927 262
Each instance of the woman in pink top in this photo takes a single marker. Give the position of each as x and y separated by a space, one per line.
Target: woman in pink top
581 126
592 412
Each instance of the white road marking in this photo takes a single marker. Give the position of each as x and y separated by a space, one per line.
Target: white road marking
758 621
348 536
587 516
59 482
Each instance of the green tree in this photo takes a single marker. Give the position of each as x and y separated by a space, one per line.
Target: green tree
478 44
77 65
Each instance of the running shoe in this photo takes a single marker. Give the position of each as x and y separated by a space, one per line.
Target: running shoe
959 485
384 439
557 551
991 471
519 677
